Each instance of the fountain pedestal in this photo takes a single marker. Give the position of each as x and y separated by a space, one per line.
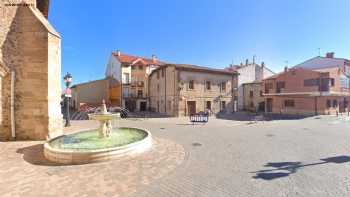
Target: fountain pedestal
104 118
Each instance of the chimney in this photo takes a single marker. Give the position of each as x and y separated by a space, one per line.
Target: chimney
285 68
262 64
246 62
154 58
330 55
118 53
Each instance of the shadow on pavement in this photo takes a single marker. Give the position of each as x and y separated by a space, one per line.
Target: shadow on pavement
35 155
284 169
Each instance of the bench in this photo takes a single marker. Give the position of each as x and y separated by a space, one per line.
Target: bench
199 117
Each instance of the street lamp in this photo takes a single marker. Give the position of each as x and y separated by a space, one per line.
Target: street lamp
67 95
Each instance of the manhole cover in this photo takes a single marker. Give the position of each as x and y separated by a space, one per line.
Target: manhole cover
196 144
162 128
270 135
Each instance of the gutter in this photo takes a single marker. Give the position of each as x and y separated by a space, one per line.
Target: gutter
13 121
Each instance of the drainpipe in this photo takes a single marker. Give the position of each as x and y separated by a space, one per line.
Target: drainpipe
13 122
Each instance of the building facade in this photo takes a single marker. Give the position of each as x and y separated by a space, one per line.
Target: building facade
92 93
317 86
30 72
249 73
253 99
182 90
133 72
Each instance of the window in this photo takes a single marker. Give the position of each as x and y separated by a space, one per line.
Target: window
158 87
207 85
280 84
261 93
311 82
140 67
251 104
223 105
126 78
331 82
335 103
163 72
329 103
269 85
132 67
208 105
223 86
289 103
191 85
157 74
139 93
251 93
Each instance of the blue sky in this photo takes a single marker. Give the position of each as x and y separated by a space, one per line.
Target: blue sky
202 32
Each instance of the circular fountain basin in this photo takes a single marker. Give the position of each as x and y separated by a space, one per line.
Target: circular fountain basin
87 147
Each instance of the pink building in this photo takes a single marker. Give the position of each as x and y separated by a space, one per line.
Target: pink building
317 86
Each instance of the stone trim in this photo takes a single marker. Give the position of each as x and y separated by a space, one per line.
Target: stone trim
44 21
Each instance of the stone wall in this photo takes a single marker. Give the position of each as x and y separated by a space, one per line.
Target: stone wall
31 47
252 97
169 94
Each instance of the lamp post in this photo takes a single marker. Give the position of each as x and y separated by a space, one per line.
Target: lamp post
67 95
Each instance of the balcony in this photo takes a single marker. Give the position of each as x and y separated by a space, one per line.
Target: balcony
137 84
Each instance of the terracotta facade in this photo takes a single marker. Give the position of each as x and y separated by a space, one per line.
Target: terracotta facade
308 92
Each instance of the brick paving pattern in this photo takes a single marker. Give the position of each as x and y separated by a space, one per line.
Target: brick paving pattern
25 172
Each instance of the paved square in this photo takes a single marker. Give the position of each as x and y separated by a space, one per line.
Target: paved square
307 157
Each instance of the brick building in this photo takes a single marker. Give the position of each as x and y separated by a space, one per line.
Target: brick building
317 86
30 72
181 90
133 71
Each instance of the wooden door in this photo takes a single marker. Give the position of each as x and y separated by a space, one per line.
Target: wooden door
191 107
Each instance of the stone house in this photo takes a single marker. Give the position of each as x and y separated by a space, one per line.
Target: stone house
30 72
253 99
248 73
133 71
317 86
181 90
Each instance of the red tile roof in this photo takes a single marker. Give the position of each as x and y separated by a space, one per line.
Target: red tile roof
124 58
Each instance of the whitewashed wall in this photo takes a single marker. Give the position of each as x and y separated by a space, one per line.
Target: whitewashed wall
113 68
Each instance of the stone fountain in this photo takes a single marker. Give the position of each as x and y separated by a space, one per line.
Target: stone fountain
96 145
105 118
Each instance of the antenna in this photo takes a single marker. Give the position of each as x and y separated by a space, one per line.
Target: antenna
254 56
286 62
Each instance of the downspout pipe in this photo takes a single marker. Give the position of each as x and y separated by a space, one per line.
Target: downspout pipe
13 121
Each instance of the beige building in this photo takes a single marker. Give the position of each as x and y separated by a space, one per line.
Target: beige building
30 72
181 90
253 99
93 92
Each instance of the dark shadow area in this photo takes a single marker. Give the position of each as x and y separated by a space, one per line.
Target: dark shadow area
35 155
246 116
284 169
